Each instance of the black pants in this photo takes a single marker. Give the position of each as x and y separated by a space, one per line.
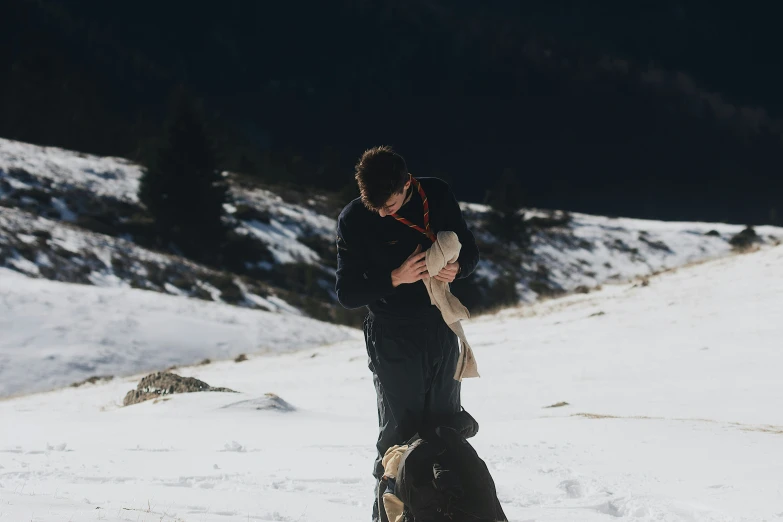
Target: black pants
413 365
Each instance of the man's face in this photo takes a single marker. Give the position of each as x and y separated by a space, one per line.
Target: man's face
394 203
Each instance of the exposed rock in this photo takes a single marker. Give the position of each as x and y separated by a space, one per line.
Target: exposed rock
655 245
745 239
157 385
241 358
644 281
93 380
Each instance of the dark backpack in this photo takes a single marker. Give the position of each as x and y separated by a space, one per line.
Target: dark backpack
444 479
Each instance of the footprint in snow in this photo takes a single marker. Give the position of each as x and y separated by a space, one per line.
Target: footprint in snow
234 446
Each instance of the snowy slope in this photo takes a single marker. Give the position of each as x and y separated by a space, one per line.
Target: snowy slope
68 176
674 414
45 248
67 170
55 334
593 250
621 248
287 223
79 189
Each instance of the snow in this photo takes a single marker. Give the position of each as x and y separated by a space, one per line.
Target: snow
591 251
62 208
281 240
55 334
103 176
673 390
24 265
288 222
594 250
112 262
119 178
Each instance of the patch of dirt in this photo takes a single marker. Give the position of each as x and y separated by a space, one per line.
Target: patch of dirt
762 428
93 380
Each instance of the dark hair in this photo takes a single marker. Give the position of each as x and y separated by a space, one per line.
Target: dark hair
380 173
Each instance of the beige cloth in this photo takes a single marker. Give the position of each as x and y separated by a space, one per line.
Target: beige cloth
391 464
391 460
446 250
394 507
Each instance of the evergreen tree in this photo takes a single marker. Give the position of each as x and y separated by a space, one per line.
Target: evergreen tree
182 188
505 199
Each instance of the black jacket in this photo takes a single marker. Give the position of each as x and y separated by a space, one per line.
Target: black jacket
443 479
369 247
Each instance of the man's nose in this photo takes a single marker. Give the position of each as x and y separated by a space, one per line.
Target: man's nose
382 213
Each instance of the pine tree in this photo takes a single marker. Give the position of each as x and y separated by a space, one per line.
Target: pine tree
182 187
505 199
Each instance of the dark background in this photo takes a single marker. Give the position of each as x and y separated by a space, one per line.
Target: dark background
667 110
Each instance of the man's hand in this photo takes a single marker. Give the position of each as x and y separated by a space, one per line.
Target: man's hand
413 269
448 273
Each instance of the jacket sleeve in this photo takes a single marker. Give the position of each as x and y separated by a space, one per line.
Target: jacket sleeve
469 255
358 284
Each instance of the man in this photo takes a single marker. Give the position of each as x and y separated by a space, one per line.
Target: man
381 242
